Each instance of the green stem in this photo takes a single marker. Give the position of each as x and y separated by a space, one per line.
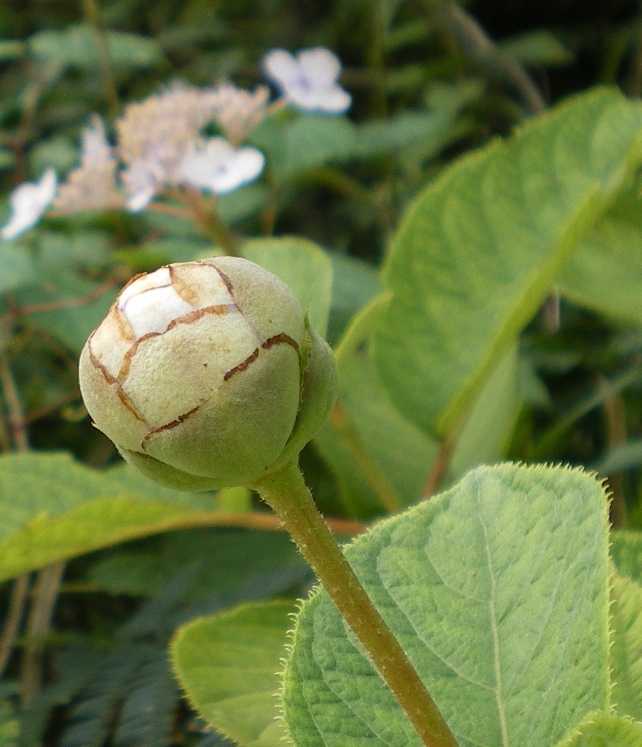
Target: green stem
207 217
286 493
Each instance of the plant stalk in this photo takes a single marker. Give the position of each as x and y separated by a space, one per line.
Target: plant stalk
287 494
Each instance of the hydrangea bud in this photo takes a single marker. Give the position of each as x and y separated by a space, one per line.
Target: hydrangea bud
206 374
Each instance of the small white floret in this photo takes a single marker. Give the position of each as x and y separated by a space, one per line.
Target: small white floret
308 80
28 202
220 167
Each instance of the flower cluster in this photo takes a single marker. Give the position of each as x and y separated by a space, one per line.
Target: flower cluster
160 142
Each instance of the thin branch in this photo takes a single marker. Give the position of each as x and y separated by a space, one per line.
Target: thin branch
17 603
45 76
38 626
207 217
42 412
476 43
68 303
173 210
14 405
547 442
440 467
92 17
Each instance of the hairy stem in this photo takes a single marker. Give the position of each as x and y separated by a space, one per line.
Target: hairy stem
286 492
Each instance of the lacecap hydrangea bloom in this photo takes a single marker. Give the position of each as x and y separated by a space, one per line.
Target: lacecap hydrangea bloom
159 141
160 144
206 374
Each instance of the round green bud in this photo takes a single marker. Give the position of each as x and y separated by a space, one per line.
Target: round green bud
207 375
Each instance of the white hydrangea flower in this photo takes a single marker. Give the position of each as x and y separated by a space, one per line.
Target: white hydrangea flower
28 202
308 80
219 167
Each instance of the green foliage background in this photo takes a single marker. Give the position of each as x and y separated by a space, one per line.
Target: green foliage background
434 255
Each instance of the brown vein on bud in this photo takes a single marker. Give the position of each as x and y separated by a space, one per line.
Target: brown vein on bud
168 426
124 327
270 342
226 280
185 291
242 366
113 381
131 352
194 316
281 337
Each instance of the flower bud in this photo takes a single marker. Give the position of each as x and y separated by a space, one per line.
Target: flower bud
206 374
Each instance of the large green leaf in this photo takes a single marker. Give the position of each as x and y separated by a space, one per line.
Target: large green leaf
626 652
604 274
605 730
480 248
76 305
354 284
17 267
312 140
403 129
226 559
497 591
379 459
483 438
304 266
399 449
53 508
77 45
228 665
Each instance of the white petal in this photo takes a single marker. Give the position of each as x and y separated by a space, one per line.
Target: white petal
334 100
28 202
142 181
140 200
281 67
95 147
150 303
320 66
219 167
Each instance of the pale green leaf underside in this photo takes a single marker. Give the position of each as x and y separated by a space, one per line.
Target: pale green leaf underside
626 652
481 247
228 667
52 508
304 266
605 730
484 436
497 590
604 274
400 449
